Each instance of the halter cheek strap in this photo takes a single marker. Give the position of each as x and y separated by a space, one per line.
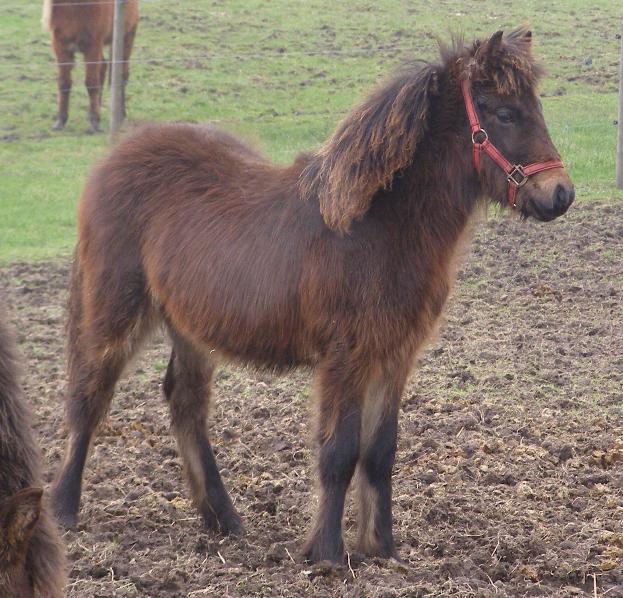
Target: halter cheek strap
516 174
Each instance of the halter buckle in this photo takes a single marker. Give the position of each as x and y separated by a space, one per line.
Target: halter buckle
517 176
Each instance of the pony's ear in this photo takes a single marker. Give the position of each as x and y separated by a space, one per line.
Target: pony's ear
488 55
521 39
495 58
20 514
494 44
369 147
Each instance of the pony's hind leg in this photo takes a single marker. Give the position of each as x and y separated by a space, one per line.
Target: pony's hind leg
128 43
103 71
98 349
187 390
88 399
94 64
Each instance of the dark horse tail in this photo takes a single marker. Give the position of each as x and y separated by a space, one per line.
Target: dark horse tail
20 468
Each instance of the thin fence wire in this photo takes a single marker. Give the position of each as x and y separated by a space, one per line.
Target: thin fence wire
240 117
37 6
78 86
278 53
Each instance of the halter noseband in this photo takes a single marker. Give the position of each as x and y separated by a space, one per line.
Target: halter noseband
516 174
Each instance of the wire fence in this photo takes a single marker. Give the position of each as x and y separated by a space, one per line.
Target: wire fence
39 77
278 53
43 71
36 78
37 6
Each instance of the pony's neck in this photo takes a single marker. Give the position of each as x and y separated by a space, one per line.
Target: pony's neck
435 197
440 187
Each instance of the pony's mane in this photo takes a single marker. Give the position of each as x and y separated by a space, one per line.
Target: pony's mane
378 138
374 141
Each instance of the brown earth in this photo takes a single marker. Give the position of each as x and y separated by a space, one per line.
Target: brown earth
509 479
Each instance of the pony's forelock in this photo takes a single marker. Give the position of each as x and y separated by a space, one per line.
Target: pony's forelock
504 62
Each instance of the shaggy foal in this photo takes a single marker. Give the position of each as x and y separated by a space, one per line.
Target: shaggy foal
86 26
341 261
31 552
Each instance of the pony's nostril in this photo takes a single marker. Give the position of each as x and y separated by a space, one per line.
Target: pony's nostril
563 198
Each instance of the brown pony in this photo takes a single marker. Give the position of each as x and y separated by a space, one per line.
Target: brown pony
341 261
31 553
86 26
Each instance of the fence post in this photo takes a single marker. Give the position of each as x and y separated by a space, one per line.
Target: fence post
116 68
620 124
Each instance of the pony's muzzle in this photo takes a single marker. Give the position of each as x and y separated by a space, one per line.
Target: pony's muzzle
548 196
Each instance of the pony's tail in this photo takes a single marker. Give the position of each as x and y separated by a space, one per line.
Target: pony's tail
46 16
74 313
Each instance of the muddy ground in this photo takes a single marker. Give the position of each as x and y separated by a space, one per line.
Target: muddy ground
509 478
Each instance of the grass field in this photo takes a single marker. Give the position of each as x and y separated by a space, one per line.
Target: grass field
280 74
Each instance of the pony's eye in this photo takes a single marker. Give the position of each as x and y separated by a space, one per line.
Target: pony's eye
504 115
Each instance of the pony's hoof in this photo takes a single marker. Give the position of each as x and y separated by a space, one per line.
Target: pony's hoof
385 550
95 125
59 124
227 525
66 516
315 551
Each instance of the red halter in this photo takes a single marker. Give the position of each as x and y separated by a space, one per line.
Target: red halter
516 174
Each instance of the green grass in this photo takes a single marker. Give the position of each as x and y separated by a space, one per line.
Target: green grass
280 74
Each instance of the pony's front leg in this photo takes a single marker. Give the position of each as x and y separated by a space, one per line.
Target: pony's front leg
379 430
339 421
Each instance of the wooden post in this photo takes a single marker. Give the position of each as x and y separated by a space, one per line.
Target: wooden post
620 126
116 68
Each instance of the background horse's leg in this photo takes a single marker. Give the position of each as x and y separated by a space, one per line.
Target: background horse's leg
187 390
65 61
128 43
339 420
103 68
379 431
93 63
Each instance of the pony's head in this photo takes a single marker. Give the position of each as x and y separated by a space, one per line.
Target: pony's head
19 515
382 137
510 133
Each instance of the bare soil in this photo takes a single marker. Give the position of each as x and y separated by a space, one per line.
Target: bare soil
509 477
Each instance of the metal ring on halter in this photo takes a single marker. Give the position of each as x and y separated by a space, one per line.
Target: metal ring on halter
478 132
517 170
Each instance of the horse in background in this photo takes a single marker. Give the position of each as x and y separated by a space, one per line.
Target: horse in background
86 26
341 261
32 561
